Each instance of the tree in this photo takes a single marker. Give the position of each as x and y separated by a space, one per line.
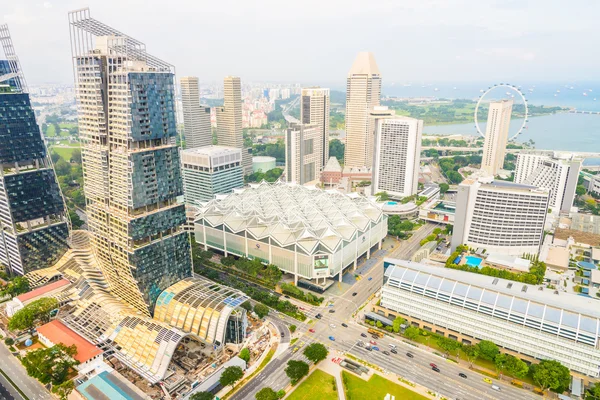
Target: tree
9 341
63 390
580 190
500 362
245 354
382 196
231 375
76 156
296 370
594 391
447 344
51 365
76 221
15 287
266 394
398 321
551 374
379 324
316 352
246 305
336 149
38 310
54 156
444 187
292 328
412 332
280 394
516 367
261 310
202 396
62 167
488 350
472 353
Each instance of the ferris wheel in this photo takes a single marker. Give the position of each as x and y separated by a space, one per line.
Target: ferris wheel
517 92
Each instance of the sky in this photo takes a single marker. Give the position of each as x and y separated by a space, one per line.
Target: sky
316 41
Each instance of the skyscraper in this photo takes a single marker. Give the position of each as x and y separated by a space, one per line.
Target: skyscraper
499 216
196 118
314 109
496 136
303 159
33 220
555 171
397 155
132 174
363 92
229 121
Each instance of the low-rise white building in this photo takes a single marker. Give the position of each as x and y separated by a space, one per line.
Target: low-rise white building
530 321
305 231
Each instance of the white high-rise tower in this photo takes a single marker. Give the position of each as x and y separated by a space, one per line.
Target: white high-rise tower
314 110
196 118
496 136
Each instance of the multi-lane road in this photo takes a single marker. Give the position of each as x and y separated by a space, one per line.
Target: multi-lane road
15 371
417 369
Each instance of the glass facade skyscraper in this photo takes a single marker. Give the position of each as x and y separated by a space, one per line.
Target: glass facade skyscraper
132 174
33 221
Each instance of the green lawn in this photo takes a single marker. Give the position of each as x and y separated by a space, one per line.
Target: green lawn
64 152
318 385
376 389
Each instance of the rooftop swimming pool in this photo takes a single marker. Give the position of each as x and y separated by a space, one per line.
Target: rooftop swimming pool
473 261
392 203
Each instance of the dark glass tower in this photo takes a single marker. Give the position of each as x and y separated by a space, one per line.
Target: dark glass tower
33 221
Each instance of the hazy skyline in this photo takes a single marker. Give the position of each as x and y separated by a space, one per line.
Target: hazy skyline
315 42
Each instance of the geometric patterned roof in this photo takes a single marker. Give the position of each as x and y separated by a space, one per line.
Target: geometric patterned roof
289 213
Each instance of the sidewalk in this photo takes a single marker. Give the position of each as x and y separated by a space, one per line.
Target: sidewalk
334 370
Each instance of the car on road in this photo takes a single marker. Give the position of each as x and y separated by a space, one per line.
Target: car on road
332 326
372 342
392 346
375 336
410 355
387 353
496 387
354 294
462 375
360 343
375 348
332 338
432 365
332 311
318 316
311 330
487 380
370 278
436 369
301 344
286 296
363 334
344 325
295 349
368 348
394 351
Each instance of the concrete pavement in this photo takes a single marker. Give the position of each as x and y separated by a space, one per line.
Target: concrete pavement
7 391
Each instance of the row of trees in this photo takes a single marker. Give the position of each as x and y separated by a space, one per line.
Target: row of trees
548 374
270 176
255 268
70 178
294 291
450 166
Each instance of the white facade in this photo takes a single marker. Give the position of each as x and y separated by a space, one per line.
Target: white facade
363 92
397 156
550 170
496 136
303 153
527 319
307 232
196 118
314 110
499 216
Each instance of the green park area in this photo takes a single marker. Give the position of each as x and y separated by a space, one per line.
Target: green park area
318 382
65 152
58 129
375 388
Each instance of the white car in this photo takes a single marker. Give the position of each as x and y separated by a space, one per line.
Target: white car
332 326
